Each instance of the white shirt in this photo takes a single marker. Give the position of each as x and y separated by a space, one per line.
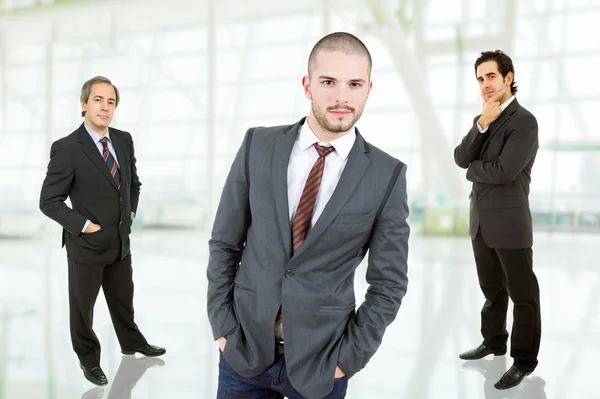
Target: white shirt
302 159
502 108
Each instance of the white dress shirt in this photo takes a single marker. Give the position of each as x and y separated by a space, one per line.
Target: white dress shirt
502 108
302 159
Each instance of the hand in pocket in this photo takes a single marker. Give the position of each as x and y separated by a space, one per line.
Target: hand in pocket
222 341
93 227
339 373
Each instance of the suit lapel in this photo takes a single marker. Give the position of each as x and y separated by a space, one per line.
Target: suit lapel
284 143
357 164
497 124
122 156
89 148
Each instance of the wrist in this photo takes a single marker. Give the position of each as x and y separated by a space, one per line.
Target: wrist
483 123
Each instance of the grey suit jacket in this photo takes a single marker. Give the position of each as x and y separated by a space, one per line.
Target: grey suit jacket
499 164
251 270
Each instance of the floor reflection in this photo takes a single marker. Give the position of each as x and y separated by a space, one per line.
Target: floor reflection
418 358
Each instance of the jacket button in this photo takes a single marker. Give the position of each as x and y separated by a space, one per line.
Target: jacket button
121 222
288 273
479 198
121 199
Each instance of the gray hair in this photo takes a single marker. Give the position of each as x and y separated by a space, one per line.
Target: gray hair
86 89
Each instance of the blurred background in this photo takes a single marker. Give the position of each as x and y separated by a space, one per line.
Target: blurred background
195 74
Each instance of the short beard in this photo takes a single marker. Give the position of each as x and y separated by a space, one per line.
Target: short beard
321 119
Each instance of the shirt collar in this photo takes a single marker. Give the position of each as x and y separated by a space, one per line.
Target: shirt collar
343 145
95 135
507 103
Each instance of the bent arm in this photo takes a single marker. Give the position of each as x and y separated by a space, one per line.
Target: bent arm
56 189
520 147
387 279
226 246
468 150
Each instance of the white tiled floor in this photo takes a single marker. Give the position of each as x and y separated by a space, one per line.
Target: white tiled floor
417 360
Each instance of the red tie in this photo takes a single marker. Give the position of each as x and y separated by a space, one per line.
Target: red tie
308 199
113 168
306 205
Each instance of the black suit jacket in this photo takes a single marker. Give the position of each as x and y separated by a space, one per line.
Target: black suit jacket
78 171
499 163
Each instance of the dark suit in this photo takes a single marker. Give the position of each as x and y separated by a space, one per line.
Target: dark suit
499 163
252 270
77 170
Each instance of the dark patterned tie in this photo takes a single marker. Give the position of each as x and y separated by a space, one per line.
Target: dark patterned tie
306 205
113 168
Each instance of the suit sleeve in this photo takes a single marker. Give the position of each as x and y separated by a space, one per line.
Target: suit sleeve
468 150
520 147
56 189
387 279
226 245
135 181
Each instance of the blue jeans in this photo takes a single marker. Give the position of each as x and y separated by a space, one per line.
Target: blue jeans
272 384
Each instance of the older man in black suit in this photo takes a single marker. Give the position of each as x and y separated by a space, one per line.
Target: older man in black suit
95 167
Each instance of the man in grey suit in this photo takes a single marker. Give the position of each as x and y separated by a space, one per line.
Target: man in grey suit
498 153
301 206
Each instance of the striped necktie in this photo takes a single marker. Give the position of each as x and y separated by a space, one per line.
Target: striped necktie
308 199
111 163
306 206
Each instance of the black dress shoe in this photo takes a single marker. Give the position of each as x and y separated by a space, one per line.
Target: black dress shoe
512 377
480 352
94 374
146 350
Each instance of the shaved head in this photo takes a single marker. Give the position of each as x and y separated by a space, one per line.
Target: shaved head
338 84
338 41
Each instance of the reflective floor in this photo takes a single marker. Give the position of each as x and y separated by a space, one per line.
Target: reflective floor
417 360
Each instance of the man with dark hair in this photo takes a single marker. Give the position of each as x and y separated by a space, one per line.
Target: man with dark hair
504 66
301 206
95 168
499 152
